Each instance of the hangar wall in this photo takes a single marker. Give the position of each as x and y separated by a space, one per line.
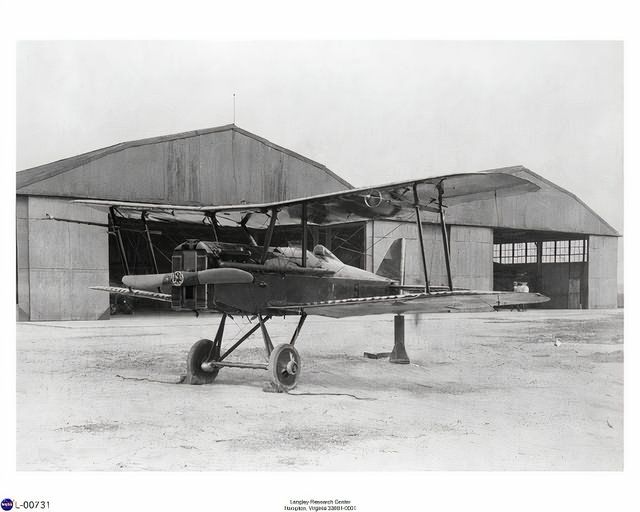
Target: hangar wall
59 261
603 272
472 257
22 257
471 253
562 283
382 233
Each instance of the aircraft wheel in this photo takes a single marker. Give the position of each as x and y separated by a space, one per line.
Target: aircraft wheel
284 366
201 352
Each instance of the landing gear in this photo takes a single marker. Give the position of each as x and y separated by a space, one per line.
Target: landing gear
201 352
201 356
284 367
205 359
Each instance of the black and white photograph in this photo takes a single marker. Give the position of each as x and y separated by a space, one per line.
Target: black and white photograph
344 256
316 262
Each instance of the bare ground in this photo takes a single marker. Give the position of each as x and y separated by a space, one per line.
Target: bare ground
483 392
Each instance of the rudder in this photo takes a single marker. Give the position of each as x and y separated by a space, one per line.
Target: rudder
392 265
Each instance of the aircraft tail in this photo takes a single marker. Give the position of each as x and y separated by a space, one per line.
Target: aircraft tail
392 265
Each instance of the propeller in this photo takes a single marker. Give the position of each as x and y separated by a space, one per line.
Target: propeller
212 276
147 281
179 278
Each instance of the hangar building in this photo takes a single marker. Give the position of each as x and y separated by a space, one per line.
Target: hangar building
549 238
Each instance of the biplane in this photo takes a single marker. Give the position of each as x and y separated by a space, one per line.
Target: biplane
261 281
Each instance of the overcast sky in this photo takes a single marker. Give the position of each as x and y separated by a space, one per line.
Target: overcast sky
372 112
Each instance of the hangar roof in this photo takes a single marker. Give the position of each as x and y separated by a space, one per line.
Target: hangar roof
27 178
542 181
229 165
552 208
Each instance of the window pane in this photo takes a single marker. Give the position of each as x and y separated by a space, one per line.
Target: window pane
519 253
548 252
496 253
562 251
532 252
507 254
577 250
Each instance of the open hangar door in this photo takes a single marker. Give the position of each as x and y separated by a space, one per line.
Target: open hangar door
551 263
130 243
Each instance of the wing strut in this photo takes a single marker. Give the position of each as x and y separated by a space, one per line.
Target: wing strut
213 222
445 236
243 225
268 235
304 234
421 237
268 344
143 217
118 234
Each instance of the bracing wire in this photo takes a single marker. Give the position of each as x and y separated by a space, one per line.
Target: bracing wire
385 236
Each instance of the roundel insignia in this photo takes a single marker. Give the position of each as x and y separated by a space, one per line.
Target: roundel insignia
177 278
374 199
7 504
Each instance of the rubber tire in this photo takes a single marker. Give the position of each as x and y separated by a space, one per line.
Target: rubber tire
199 353
280 381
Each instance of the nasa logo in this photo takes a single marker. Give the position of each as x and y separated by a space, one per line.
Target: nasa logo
7 504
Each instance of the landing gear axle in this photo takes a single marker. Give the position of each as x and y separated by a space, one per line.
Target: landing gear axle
205 360
199 355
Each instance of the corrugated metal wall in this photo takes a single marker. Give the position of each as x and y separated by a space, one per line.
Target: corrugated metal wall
380 236
472 257
471 253
603 269
22 257
59 261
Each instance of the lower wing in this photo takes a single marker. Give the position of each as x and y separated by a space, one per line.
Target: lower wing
132 292
438 302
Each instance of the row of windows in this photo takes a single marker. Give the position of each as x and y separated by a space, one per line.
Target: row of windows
515 253
554 251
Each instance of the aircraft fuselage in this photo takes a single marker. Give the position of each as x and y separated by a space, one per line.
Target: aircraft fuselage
279 280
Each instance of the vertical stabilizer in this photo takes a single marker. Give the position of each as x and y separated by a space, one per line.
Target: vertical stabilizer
393 263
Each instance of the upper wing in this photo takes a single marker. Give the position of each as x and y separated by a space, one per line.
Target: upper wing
438 302
394 200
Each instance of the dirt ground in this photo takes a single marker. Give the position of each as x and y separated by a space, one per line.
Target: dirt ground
487 391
